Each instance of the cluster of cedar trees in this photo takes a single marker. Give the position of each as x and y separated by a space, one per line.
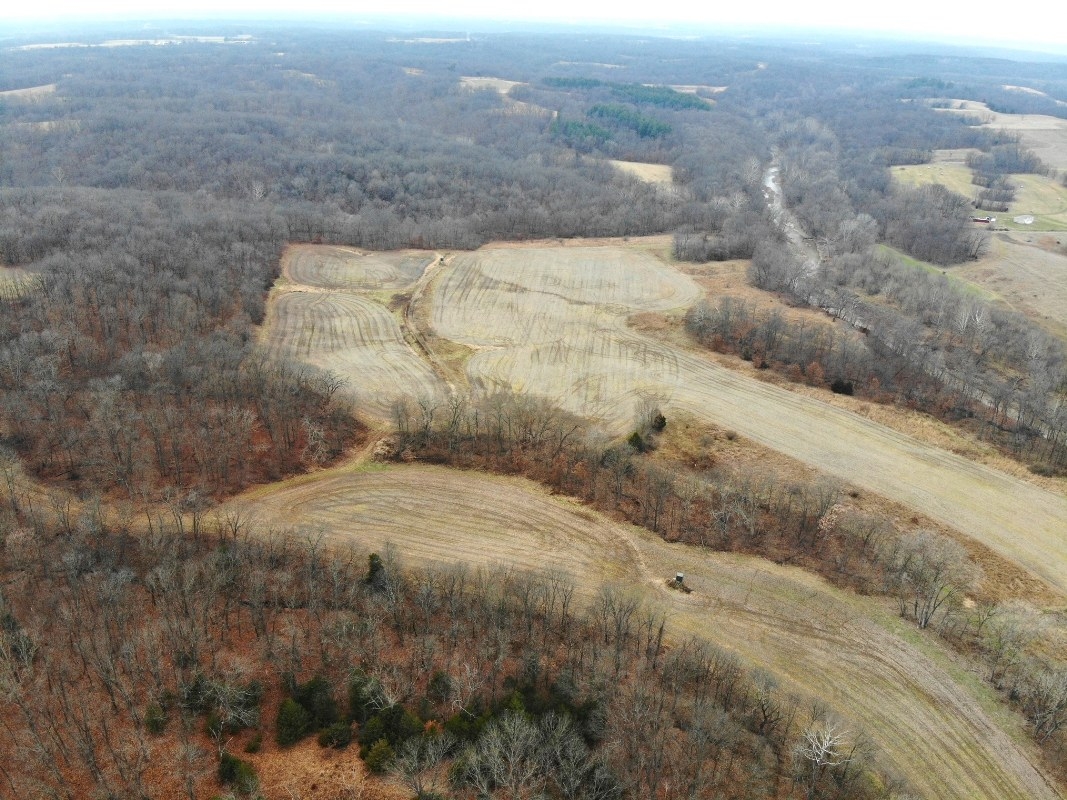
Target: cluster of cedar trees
927 574
166 665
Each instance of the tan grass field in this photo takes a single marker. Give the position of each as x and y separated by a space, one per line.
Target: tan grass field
929 720
1046 136
324 314
503 87
650 173
954 176
695 88
29 93
496 84
1043 197
15 282
350 269
1029 272
553 322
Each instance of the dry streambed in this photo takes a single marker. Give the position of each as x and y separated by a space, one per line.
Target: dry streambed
816 640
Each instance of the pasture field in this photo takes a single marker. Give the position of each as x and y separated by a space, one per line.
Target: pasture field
325 314
954 176
851 652
650 173
553 322
1043 197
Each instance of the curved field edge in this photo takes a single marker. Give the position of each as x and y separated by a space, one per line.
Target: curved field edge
816 640
327 310
537 328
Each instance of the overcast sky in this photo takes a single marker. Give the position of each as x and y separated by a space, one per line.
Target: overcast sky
978 22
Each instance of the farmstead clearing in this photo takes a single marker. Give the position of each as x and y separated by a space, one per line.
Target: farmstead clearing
1026 265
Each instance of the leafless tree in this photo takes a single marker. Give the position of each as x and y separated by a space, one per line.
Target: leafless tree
928 571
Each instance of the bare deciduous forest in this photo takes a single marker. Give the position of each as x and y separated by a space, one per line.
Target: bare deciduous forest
156 642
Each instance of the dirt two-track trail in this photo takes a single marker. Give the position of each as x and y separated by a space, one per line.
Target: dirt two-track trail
817 641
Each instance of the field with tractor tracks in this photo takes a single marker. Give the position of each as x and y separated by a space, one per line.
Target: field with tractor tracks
327 311
819 642
552 322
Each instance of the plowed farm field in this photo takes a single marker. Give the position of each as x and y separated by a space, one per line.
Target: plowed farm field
817 641
326 312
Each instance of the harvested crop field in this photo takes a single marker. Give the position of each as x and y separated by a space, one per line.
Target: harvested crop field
553 322
324 315
818 641
29 93
14 282
496 84
1046 136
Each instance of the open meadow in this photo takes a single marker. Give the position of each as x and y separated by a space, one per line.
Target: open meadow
1027 271
1039 196
651 173
929 723
14 282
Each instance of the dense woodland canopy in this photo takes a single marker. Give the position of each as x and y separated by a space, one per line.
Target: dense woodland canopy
150 195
